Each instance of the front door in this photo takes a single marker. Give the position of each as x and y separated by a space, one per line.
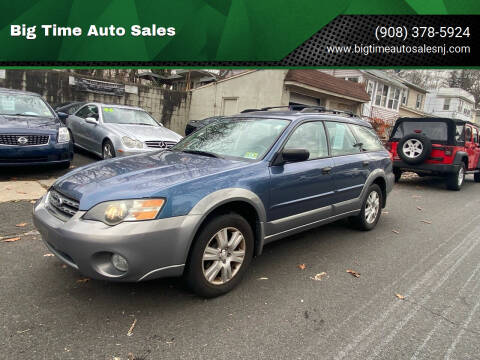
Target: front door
302 192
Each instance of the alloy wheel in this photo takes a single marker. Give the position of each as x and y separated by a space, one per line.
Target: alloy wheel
412 148
107 151
461 176
372 207
223 256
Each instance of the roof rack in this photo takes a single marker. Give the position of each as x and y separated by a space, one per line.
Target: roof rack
289 107
304 109
323 109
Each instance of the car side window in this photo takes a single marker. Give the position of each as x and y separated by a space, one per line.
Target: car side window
368 138
475 135
83 112
88 111
342 141
310 136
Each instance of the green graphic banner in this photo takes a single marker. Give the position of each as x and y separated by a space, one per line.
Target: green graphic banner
181 30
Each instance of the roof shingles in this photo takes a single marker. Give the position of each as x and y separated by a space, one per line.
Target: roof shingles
329 83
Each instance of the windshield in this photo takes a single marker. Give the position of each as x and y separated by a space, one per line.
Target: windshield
235 137
435 130
127 116
24 105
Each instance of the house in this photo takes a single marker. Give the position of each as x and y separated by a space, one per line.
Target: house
454 103
385 92
255 89
412 102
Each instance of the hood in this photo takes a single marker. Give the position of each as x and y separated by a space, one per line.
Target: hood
138 176
144 132
30 124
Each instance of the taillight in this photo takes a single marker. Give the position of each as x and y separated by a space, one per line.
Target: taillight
448 151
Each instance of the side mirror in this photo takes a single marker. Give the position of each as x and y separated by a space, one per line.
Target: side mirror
291 155
62 116
91 120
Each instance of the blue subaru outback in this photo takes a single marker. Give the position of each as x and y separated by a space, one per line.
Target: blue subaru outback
205 207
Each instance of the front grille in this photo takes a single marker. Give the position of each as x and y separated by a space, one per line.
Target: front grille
61 206
23 140
157 144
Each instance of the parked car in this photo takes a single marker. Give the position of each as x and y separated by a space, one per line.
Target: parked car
194 125
31 132
116 130
436 146
68 108
206 206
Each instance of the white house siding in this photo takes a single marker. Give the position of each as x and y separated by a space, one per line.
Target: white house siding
252 89
458 101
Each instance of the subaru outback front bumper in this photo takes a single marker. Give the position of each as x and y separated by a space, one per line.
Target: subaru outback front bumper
153 249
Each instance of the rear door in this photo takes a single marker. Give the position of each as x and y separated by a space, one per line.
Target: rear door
351 166
471 146
476 148
302 192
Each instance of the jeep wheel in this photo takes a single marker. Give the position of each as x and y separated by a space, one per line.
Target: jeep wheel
398 175
371 209
455 180
220 256
414 148
476 177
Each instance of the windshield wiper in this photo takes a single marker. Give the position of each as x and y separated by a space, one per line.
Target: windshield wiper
200 152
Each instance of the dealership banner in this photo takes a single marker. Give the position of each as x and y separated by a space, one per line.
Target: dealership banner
240 33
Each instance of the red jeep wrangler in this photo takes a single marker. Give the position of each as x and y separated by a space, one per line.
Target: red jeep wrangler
436 146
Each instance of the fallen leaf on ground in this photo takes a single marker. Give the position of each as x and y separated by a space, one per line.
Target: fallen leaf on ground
396 231
63 266
302 266
401 297
354 273
385 212
83 281
11 239
426 221
419 208
33 201
21 225
130 331
262 278
416 196
21 192
130 356
72 167
23 331
319 276
48 254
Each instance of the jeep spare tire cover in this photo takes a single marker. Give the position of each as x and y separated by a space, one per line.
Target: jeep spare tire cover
414 148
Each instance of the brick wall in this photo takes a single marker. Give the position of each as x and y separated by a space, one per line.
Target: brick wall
169 107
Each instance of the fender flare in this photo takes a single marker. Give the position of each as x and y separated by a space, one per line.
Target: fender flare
374 175
224 196
459 155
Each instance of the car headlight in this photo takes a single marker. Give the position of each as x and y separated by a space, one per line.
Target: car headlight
63 135
132 143
115 212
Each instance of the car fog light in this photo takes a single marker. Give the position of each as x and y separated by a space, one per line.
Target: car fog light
119 262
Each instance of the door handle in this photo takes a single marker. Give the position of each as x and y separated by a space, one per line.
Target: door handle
366 163
326 170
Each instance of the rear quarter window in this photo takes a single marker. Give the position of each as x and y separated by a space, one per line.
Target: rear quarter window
368 138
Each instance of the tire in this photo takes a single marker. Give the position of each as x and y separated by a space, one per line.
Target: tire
456 180
414 148
476 177
364 221
197 268
398 175
107 144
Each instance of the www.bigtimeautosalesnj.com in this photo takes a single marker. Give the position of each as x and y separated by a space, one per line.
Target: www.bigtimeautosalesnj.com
53 30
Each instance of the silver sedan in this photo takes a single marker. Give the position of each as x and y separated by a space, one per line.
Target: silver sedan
116 130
